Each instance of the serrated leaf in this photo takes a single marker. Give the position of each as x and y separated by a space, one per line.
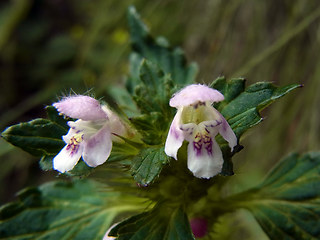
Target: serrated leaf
154 91
171 60
160 223
57 118
153 127
287 203
121 152
38 137
59 210
241 108
152 96
147 165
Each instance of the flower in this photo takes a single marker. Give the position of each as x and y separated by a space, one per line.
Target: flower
199 227
198 122
90 136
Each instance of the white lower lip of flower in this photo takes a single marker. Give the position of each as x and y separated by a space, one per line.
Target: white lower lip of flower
205 159
89 139
204 155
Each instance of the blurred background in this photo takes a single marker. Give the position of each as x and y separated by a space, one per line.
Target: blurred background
54 47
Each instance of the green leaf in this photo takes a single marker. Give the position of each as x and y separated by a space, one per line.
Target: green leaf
59 210
147 165
152 127
154 91
287 203
123 151
152 96
242 107
160 223
171 60
38 137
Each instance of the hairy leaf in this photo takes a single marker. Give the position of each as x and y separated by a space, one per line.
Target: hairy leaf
160 223
242 107
154 91
38 137
152 97
59 210
171 60
147 165
287 203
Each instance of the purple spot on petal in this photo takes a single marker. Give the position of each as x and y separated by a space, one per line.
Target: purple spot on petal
202 140
73 145
197 146
175 133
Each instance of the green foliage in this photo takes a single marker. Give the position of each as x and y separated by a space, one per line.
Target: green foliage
160 223
38 137
171 60
287 203
242 107
155 90
59 210
147 165
151 97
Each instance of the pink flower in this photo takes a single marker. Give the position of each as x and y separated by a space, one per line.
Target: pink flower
90 136
198 122
199 227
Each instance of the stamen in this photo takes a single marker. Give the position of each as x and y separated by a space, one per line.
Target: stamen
204 140
74 143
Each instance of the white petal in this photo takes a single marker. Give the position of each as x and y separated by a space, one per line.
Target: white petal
97 148
175 136
66 138
188 130
204 164
227 133
65 160
223 127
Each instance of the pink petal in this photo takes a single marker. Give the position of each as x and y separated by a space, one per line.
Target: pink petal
97 148
195 93
175 136
81 107
116 125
